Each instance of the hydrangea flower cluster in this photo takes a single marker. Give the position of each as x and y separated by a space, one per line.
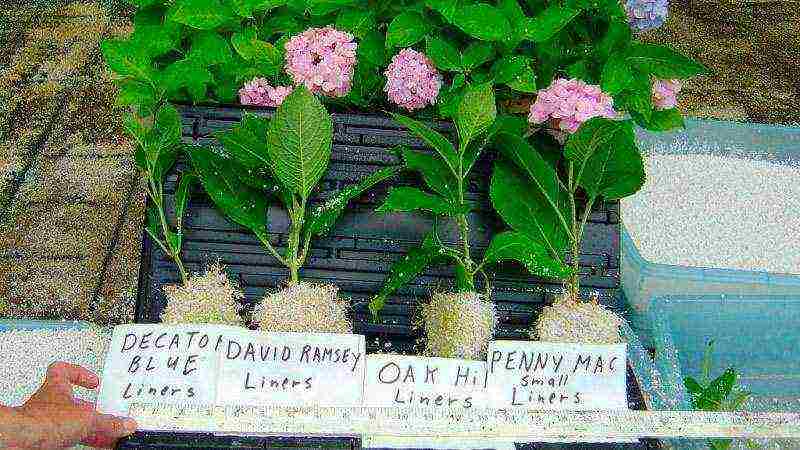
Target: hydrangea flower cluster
569 103
323 59
665 93
646 14
412 81
258 92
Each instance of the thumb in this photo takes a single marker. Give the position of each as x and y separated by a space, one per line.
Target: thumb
108 429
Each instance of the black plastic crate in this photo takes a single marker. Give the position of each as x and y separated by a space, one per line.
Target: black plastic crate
358 253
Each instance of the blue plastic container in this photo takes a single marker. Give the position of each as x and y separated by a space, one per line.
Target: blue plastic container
643 280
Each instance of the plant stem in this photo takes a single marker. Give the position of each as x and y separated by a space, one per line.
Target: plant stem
157 194
293 255
573 283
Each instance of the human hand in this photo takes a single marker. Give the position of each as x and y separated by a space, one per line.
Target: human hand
59 420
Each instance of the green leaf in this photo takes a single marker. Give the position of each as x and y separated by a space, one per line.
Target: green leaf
547 24
525 81
663 62
189 74
412 199
299 142
265 57
476 54
246 143
127 60
405 270
543 185
720 388
518 247
450 97
357 21
153 34
660 120
134 93
246 8
372 49
447 8
516 18
444 54
201 14
182 197
616 75
524 209
209 48
323 217
476 113
144 3
617 38
706 367
516 72
615 169
240 203
325 7
434 139
482 21
606 158
434 171
407 29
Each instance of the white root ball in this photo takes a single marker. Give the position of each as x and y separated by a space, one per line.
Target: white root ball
304 307
458 325
208 298
570 320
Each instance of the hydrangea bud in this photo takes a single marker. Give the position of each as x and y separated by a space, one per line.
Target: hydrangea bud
566 104
665 93
412 81
646 14
322 59
258 92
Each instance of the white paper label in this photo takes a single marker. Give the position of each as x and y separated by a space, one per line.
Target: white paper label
543 375
224 365
292 369
413 381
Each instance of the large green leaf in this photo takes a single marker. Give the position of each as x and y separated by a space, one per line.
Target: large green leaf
412 199
209 48
357 21
240 203
516 19
135 93
476 113
447 8
522 207
325 7
249 47
663 62
547 24
443 53
590 136
246 8
299 142
476 54
407 29
434 139
616 76
660 120
434 171
188 74
406 269
324 216
482 21
153 33
542 178
201 14
372 49
246 143
514 246
615 169
144 3
127 60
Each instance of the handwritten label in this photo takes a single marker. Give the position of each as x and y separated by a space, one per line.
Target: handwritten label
292 369
542 375
224 365
412 381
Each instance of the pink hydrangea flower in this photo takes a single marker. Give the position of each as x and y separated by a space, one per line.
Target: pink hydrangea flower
258 92
566 104
665 93
412 80
322 59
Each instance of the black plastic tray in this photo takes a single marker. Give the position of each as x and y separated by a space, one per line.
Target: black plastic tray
361 248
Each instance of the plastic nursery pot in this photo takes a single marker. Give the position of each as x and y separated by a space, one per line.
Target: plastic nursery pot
358 253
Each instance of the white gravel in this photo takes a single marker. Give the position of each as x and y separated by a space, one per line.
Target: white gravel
712 211
25 356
